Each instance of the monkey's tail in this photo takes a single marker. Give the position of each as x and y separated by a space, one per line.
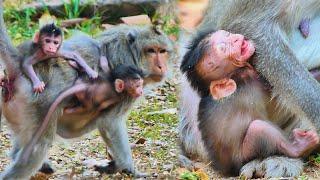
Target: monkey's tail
71 91
8 53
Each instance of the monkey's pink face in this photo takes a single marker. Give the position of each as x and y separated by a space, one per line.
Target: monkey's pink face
230 46
226 53
50 44
135 89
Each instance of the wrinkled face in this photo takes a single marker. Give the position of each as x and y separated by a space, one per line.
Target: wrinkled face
226 53
50 44
156 57
134 87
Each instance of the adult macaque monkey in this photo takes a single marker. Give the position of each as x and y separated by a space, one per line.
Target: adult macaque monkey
47 44
122 82
280 54
144 47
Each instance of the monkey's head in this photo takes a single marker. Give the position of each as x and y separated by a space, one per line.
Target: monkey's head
144 47
214 55
127 79
49 38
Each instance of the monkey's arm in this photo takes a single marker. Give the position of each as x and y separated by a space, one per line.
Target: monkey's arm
28 68
105 104
76 57
291 81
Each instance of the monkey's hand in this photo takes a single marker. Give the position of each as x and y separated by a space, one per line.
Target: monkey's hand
304 27
38 87
92 74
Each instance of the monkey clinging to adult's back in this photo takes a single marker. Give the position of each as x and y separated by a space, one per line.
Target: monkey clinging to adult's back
47 44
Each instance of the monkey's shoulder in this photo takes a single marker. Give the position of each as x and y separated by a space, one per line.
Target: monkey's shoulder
27 48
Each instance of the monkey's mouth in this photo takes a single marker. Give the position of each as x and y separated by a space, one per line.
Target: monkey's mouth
50 53
156 77
244 47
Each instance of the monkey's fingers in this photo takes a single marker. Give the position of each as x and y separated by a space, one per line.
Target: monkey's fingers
93 74
39 88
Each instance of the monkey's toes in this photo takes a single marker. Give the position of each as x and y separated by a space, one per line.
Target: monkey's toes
108 169
46 169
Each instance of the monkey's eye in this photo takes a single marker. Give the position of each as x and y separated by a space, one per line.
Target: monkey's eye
47 40
151 50
163 51
221 47
56 42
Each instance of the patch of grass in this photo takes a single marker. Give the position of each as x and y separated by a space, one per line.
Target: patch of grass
315 158
168 24
19 24
72 9
153 122
90 26
303 177
189 176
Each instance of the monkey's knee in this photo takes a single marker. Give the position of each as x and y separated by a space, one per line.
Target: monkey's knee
255 129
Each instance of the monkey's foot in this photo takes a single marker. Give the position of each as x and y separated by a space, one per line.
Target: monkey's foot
108 169
111 169
46 169
74 64
304 140
186 162
304 27
92 74
272 167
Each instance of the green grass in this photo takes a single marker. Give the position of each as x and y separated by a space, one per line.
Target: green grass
167 24
19 24
154 126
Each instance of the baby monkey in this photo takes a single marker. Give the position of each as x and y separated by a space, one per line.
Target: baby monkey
123 82
47 44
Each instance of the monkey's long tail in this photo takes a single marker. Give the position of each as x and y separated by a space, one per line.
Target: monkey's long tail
71 91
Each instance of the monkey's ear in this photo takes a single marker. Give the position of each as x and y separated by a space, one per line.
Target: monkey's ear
119 85
36 37
222 88
132 35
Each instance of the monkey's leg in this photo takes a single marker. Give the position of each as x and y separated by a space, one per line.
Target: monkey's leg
189 134
46 166
276 166
263 137
114 133
20 170
77 109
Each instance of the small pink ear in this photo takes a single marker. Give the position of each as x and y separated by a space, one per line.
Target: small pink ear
119 85
222 88
36 37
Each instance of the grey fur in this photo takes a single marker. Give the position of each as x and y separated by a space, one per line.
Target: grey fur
280 55
58 76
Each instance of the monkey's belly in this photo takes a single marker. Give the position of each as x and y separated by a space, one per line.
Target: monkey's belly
77 121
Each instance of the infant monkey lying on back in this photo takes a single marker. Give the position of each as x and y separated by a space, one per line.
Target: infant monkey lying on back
47 44
241 108
122 82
